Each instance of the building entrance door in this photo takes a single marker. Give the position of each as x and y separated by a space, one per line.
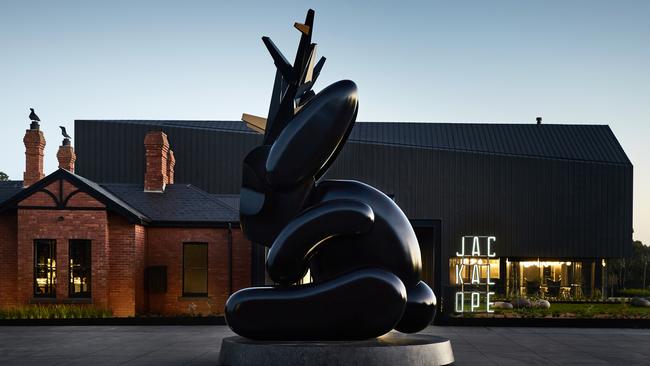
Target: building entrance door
428 234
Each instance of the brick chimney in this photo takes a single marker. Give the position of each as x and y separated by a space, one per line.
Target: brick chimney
34 145
66 156
171 163
156 148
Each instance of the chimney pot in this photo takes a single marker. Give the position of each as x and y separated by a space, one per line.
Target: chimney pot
539 120
156 148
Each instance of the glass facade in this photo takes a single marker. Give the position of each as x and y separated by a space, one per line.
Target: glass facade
80 268
551 279
44 268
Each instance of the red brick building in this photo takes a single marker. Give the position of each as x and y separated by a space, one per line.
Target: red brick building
154 248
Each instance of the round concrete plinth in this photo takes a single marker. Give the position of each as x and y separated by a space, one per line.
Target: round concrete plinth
391 349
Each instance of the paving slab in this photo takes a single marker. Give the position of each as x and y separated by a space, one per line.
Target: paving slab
199 345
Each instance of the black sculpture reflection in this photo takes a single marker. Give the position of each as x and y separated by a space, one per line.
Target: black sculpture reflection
358 245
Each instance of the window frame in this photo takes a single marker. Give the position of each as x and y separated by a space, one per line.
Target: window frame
52 252
87 294
196 294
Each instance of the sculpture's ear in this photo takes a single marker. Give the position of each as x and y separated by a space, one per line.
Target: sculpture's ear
254 187
251 202
306 145
253 169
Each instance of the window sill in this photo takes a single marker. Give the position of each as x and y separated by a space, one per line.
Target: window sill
194 298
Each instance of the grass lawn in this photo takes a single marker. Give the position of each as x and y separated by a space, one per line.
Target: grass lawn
572 310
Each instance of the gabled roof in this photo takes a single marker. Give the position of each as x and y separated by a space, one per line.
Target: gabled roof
179 204
583 142
87 186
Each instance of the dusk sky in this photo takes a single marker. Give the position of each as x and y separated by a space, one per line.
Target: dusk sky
427 61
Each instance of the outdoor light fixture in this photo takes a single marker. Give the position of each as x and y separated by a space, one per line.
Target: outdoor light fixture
538 263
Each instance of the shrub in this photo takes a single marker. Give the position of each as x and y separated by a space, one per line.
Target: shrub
57 311
632 292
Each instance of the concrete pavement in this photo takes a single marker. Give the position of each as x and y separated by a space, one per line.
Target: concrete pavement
199 345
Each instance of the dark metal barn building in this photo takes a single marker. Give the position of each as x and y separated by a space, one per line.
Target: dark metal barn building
552 202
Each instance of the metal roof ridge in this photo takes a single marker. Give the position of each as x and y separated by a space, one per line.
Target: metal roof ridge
127 120
485 152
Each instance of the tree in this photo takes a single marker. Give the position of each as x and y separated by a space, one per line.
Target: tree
631 272
3 177
636 269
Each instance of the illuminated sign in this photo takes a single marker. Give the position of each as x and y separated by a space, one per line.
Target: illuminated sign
474 257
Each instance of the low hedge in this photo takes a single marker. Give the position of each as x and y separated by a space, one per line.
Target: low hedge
635 292
54 311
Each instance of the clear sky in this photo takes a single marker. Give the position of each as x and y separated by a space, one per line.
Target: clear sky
454 61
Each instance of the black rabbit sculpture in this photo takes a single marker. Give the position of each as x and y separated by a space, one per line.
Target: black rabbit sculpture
356 243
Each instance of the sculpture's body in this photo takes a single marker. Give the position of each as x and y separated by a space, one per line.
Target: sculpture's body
359 246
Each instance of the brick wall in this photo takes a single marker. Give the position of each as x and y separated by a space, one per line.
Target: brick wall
8 247
81 199
126 268
62 226
241 261
140 248
120 253
165 248
42 198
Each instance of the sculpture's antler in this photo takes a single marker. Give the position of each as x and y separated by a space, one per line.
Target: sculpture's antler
293 83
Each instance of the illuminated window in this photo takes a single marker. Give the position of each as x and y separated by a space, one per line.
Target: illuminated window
553 279
80 271
195 269
44 268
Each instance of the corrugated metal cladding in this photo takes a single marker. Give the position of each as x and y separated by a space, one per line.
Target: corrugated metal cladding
210 159
565 193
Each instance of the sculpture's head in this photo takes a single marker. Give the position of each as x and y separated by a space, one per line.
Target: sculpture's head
278 178
302 136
